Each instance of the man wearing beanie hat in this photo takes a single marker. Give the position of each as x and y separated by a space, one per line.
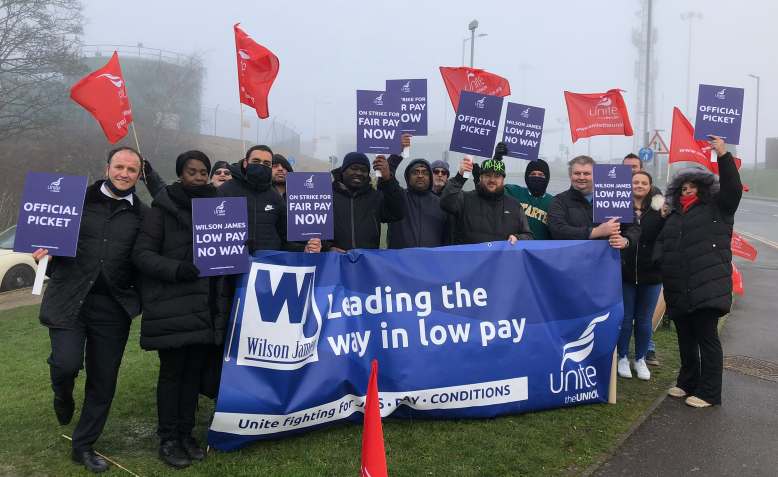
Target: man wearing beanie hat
485 214
533 198
220 173
440 175
358 207
281 168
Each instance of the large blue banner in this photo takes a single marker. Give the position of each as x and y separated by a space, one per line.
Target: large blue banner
467 331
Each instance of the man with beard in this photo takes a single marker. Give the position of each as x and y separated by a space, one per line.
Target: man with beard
485 214
281 168
425 223
359 209
440 175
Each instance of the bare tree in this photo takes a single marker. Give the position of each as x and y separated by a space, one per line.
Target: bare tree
39 49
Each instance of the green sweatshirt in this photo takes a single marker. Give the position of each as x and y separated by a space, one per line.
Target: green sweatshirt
535 208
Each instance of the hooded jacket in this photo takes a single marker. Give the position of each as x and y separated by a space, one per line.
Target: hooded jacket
478 218
359 214
105 240
694 247
424 224
637 264
175 313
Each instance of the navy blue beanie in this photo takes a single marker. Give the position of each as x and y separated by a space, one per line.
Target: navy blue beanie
354 158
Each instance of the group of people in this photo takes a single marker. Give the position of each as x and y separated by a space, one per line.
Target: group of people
133 258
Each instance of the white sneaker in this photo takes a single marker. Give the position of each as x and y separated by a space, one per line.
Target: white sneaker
676 392
642 370
623 368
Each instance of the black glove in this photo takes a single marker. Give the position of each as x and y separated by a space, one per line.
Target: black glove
187 272
394 160
476 173
499 151
147 170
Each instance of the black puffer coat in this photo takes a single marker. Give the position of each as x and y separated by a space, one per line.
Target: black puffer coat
359 214
694 248
637 264
105 241
425 223
175 313
479 219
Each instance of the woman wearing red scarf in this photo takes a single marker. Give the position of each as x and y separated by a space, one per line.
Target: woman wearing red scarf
696 262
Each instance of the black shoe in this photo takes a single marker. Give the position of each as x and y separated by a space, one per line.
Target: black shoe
173 454
63 408
652 359
90 460
192 448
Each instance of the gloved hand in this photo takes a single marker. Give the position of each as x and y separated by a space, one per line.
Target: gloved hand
499 151
476 173
394 161
187 272
147 170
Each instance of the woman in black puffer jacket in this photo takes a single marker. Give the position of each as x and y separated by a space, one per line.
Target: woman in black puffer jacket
696 262
184 315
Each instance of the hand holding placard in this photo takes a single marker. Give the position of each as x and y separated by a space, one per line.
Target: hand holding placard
466 167
718 145
381 166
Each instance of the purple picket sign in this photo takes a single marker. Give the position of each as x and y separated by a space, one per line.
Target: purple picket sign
50 213
219 234
413 104
522 131
309 206
378 122
612 193
719 113
475 128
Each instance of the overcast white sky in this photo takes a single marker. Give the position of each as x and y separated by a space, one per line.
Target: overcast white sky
328 49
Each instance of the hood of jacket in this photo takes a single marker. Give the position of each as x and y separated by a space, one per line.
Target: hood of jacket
410 167
707 185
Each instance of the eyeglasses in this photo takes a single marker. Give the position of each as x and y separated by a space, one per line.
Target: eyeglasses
222 172
440 172
420 173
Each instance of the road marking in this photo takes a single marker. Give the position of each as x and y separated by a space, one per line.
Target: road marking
765 241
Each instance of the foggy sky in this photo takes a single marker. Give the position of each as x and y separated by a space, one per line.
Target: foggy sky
329 49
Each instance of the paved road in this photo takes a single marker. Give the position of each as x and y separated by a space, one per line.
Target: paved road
741 436
759 218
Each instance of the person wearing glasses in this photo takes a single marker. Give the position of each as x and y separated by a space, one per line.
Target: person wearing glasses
220 173
440 175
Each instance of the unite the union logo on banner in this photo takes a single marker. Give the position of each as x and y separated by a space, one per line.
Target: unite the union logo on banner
525 113
280 322
578 383
406 88
612 172
56 186
722 94
480 103
220 209
308 184
379 100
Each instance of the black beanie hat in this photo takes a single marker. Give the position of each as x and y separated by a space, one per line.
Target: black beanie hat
538 165
219 165
279 159
493 165
192 155
354 158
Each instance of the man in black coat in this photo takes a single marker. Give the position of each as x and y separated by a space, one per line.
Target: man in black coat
694 249
424 224
90 300
485 214
570 214
358 208
252 179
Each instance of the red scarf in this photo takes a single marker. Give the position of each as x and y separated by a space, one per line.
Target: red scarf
688 200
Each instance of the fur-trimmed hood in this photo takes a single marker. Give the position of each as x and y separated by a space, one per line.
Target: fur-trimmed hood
707 185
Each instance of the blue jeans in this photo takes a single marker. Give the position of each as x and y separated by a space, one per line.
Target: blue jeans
639 304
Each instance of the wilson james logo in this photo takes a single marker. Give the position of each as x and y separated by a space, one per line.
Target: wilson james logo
220 209
577 382
55 186
281 322
308 184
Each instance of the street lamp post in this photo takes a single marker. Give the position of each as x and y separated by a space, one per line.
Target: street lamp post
756 128
690 16
464 43
472 26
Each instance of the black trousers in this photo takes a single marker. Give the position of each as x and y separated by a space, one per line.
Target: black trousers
702 359
178 387
98 339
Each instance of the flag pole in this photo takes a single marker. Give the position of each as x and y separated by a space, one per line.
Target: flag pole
242 140
137 148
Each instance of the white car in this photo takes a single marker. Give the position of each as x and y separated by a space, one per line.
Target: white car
17 270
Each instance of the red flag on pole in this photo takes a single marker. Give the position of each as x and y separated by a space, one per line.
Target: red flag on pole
737 281
104 94
257 69
683 146
597 114
462 78
742 248
373 453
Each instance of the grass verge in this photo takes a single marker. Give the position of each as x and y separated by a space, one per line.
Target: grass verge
557 442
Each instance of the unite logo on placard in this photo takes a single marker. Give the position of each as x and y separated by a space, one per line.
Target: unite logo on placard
56 185
221 209
722 94
612 172
308 184
480 103
525 113
406 88
578 383
281 322
379 100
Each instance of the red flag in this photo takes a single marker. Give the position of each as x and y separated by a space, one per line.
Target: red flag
737 281
683 146
462 78
597 114
742 248
257 69
104 94
373 453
